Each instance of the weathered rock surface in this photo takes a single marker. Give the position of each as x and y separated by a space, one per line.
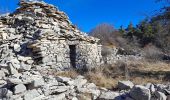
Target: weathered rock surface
124 85
109 96
139 92
160 96
19 88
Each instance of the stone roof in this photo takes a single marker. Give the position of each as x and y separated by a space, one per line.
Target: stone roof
35 20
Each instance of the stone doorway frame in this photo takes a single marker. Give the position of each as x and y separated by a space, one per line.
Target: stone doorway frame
73 55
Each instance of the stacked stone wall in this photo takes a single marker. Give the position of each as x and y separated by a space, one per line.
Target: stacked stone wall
88 55
52 53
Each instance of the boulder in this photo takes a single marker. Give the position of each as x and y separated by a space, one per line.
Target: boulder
19 88
139 92
124 85
160 96
31 94
108 96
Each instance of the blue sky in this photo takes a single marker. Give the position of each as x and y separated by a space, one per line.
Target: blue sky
86 14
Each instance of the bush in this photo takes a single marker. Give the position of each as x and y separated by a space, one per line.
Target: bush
152 53
106 51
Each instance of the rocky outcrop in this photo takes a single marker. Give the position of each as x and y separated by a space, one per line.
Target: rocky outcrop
113 55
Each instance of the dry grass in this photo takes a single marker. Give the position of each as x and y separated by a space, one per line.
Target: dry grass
108 76
101 80
84 96
70 73
151 66
144 80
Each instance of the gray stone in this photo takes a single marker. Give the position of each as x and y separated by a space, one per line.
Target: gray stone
3 65
25 66
2 74
30 62
61 96
90 86
167 91
19 88
95 92
61 89
31 94
79 82
124 85
12 70
74 98
17 47
151 87
38 82
62 79
160 96
3 92
2 83
108 96
14 80
128 98
139 92
9 94
160 87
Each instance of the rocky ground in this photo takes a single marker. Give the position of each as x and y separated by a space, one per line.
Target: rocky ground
32 85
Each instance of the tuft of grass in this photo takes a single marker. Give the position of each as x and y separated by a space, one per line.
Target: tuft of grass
144 80
101 80
70 73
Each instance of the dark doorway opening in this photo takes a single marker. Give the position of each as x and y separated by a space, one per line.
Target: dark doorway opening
73 55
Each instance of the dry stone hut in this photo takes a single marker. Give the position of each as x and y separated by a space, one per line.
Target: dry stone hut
39 35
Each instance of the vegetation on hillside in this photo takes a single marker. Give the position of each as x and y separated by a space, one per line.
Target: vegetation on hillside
154 31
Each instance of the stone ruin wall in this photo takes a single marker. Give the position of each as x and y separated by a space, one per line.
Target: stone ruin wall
51 54
88 55
37 35
55 54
